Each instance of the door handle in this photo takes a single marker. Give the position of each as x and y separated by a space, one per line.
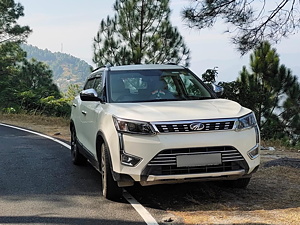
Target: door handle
83 112
74 105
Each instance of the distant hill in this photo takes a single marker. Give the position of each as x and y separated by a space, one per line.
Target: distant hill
66 69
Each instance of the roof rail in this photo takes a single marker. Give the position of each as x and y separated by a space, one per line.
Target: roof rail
97 68
108 65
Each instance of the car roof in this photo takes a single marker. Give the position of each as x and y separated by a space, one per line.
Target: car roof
135 67
145 67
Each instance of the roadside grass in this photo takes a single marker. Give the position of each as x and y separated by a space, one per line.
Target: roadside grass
272 197
53 126
281 145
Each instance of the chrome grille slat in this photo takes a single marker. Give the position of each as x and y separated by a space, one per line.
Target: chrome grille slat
185 127
169 156
232 160
224 153
231 155
165 162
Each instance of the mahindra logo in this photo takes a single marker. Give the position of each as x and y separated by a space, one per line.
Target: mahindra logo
197 126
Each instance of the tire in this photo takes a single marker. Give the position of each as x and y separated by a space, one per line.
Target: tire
110 188
240 183
77 158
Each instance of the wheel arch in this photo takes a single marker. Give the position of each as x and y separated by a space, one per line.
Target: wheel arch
72 124
100 139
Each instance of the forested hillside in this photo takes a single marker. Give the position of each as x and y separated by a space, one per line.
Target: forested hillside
66 69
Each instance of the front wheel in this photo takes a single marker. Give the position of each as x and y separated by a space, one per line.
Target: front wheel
77 157
110 188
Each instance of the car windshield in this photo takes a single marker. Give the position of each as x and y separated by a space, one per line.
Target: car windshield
155 85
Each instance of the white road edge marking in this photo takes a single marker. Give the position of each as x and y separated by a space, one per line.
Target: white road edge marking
147 217
39 134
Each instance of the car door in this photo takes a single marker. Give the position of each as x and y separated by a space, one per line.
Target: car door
89 117
79 109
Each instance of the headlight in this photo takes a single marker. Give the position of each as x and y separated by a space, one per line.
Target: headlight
246 122
132 126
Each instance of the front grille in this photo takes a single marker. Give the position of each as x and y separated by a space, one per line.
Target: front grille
168 157
186 126
165 163
173 170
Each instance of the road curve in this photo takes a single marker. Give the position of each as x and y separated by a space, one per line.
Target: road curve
40 185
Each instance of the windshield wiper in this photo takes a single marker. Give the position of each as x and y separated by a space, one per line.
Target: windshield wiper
163 100
203 98
170 99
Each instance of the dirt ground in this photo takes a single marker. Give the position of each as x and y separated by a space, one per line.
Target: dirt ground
272 197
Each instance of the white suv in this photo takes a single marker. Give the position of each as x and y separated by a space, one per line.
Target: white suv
157 124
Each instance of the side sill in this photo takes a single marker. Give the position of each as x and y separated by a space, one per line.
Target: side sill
87 154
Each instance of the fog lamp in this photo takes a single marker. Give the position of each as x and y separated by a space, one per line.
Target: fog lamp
254 152
129 160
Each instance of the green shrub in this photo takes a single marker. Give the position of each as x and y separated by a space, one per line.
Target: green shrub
55 107
9 110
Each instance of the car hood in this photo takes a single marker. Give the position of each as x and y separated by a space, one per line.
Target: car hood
178 110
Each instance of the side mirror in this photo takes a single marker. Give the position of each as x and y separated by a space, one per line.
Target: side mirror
89 95
219 90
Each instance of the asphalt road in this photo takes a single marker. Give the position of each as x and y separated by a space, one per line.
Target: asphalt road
40 185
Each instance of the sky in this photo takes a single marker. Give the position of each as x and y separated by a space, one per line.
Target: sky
69 26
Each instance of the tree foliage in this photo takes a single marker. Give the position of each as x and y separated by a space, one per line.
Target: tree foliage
139 32
30 88
10 31
24 85
271 91
10 57
210 75
72 91
66 69
37 77
250 22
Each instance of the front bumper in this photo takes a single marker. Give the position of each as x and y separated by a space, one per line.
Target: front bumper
233 146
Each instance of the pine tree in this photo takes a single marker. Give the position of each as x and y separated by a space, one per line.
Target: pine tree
37 77
271 91
139 32
10 57
10 31
11 34
249 22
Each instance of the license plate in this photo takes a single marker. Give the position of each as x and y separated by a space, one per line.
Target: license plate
199 160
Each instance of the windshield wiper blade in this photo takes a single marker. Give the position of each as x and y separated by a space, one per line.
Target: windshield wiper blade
203 98
175 99
163 100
